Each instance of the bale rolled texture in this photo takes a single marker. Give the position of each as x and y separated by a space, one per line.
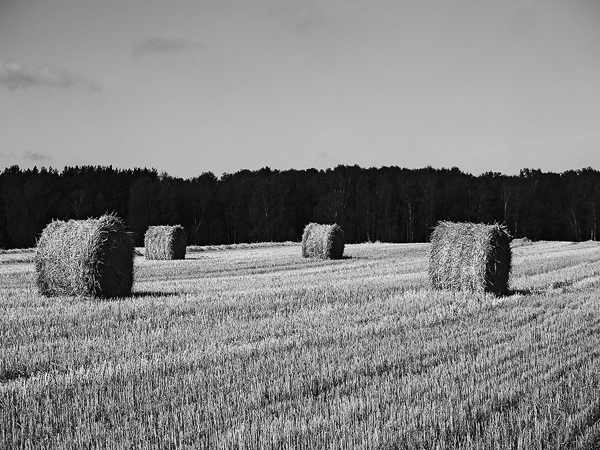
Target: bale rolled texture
322 241
165 242
470 257
92 257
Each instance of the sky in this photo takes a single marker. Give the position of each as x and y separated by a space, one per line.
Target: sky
191 86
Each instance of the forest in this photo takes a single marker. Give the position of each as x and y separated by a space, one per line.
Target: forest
387 204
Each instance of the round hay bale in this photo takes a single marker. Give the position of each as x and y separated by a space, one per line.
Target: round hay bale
165 242
322 241
92 257
521 242
470 257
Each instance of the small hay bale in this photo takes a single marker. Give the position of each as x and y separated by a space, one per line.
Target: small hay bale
323 241
521 242
470 257
92 257
165 242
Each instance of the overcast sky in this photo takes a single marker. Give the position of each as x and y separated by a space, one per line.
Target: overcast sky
189 86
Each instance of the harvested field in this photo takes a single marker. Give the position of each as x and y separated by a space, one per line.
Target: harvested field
259 347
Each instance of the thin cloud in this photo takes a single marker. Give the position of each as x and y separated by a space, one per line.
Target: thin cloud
14 76
163 45
35 156
298 15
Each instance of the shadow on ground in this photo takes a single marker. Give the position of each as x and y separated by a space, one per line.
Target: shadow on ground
524 292
139 294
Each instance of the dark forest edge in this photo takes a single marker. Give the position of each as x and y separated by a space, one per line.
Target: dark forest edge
387 204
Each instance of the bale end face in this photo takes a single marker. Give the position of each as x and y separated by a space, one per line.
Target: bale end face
470 257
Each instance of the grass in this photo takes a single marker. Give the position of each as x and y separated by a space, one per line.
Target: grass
257 347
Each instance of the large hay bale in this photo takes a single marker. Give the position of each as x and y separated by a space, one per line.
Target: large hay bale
92 257
323 241
165 242
470 257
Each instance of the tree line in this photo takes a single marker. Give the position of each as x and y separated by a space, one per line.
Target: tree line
388 204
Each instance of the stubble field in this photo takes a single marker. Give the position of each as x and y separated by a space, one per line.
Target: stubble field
255 347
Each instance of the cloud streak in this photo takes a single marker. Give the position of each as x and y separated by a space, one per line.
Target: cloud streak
14 76
299 15
35 156
164 45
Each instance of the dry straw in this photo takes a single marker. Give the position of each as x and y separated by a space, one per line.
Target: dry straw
470 257
323 241
165 242
92 257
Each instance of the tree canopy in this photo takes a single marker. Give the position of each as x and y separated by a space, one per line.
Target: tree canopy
389 204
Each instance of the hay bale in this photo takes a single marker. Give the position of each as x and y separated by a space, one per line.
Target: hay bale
92 257
323 241
165 242
520 242
470 257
